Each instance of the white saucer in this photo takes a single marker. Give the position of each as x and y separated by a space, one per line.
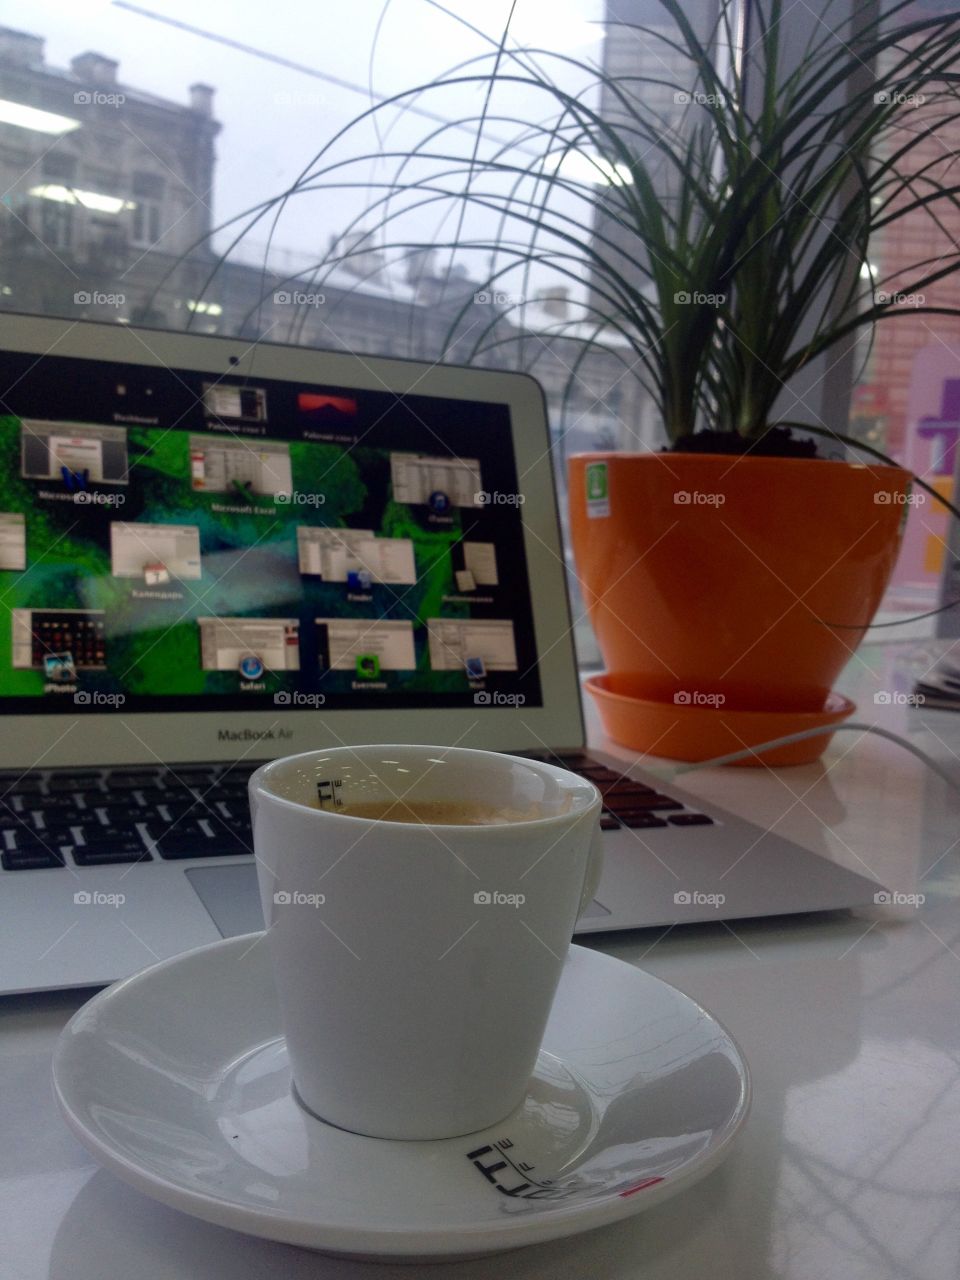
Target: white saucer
177 1080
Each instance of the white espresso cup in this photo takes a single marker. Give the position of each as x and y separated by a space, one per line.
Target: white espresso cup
416 961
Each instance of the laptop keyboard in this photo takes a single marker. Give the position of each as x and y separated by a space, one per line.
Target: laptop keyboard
123 815
107 816
626 802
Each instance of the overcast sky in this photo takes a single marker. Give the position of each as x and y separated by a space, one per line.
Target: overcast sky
275 118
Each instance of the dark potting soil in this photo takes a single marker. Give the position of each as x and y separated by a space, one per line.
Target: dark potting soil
777 442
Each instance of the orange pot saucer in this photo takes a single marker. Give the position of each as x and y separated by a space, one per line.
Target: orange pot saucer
696 732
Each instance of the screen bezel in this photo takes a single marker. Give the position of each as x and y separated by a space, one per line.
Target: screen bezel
48 740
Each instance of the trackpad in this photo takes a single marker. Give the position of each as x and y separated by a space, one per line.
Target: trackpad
231 896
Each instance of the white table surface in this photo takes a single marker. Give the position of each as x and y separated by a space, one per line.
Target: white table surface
849 1166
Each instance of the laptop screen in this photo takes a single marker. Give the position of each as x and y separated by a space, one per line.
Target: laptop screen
177 540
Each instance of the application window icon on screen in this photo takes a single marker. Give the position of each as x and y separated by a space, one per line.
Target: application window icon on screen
368 666
359 579
251 667
476 668
75 481
155 575
59 667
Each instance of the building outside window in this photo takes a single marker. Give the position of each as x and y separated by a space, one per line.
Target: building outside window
147 213
56 224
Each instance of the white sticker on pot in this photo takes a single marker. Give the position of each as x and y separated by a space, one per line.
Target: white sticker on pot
598 490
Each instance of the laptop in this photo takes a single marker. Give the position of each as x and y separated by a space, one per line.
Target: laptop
213 553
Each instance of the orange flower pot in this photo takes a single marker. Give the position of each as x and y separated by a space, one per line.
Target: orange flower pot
721 585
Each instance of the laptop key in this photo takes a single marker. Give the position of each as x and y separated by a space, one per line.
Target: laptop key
30 847
652 803
623 804
179 795
15 784
238 810
174 790
65 816
625 787
690 820
122 814
62 800
113 831
74 782
215 816
130 781
236 789
576 764
195 839
176 845
57 833
33 859
236 805
231 829
9 832
187 777
26 837
103 852
177 812
635 821
225 790
608 822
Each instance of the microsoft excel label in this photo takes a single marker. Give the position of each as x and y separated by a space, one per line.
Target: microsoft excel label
598 491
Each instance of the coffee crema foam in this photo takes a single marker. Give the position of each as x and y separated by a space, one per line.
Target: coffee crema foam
444 813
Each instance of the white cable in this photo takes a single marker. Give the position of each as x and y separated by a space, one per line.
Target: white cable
815 733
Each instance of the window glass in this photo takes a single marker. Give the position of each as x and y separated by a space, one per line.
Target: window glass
136 144
906 400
